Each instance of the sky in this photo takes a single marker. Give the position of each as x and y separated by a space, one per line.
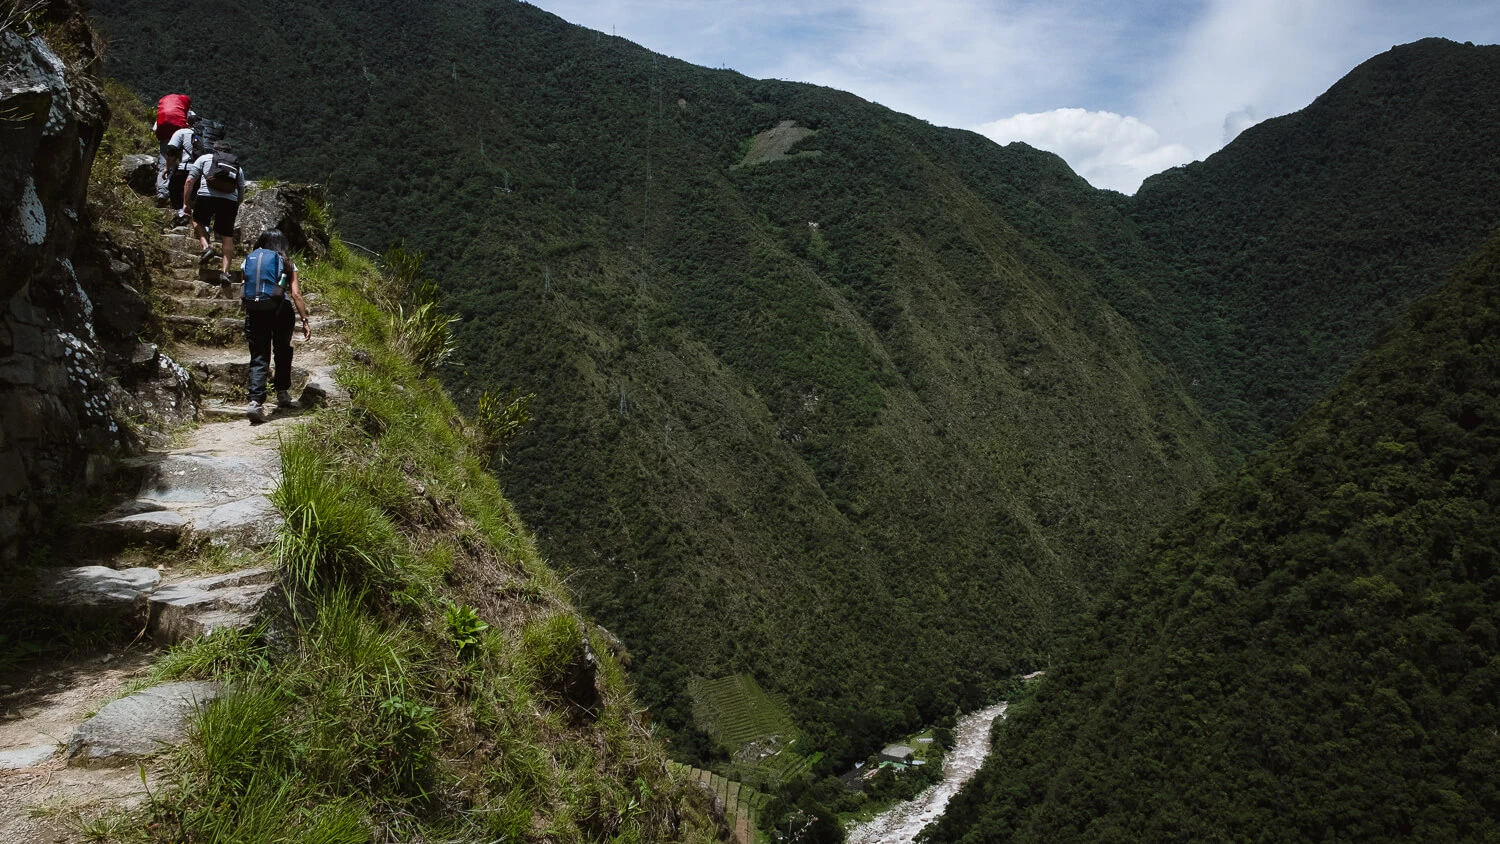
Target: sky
1121 89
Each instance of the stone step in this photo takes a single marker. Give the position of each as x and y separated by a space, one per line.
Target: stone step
192 287
179 241
155 526
204 272
140 725
187 260
205 331
215 307
234 409
198 285
230 380
198 607
99 595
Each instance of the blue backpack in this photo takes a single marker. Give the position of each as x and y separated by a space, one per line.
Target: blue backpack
263 291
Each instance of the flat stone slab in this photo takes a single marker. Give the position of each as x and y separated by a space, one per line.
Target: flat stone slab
153 526
198 607
139 725
207 479
251 521
95 587
25 757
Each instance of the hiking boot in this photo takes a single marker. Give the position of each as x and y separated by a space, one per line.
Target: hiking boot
255 413
284 399
207 255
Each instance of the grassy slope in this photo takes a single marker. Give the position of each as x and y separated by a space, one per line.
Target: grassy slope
848 462
1312 654
431 686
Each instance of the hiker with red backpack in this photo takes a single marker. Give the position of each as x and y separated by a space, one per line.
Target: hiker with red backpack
271 292
215 185
173 113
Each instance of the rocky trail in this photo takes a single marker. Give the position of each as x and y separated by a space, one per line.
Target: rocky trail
185 555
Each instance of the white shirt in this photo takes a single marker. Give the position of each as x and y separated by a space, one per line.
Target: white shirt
201 167
182 141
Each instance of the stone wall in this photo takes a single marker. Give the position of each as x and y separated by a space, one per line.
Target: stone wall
59 427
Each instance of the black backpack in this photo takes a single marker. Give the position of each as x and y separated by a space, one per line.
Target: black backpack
223 172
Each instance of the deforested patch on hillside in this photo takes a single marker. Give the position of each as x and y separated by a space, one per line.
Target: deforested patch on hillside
776 144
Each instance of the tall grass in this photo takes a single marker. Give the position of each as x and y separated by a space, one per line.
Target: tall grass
333 533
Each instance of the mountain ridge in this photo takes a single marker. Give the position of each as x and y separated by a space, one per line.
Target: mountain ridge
832 456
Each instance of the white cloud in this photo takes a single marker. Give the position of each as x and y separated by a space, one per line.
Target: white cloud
895 51
1243 61
1236 122
947 61
1109 150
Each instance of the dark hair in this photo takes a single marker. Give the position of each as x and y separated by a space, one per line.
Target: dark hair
275 241
222 146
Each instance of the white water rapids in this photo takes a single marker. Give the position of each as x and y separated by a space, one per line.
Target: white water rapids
901 823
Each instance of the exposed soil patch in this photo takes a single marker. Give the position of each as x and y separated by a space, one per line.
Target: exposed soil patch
776 144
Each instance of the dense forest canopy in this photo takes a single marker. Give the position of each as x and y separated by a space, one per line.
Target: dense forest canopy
1293 247
1312 653
866 423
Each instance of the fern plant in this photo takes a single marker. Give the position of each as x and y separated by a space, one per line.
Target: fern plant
464 627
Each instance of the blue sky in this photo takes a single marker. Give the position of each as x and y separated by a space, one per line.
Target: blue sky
1119 89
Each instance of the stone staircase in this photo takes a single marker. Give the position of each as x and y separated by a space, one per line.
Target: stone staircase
211 487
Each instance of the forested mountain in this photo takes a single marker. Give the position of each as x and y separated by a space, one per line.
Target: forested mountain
1288 251
833 420
1312 653
865 419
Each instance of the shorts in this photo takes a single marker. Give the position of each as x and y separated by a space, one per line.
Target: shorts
220 211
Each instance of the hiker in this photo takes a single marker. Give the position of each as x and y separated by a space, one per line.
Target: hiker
181 151
215 185
173 113
270 292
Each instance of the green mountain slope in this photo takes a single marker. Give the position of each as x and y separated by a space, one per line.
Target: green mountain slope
868 461
1312 654
1293 247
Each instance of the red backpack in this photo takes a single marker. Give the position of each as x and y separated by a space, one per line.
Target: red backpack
171 115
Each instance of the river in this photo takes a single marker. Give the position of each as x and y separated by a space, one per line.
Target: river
901 823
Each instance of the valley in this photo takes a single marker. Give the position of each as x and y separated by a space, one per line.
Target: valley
842 422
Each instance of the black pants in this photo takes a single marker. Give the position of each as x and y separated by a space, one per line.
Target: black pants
174 188
268 331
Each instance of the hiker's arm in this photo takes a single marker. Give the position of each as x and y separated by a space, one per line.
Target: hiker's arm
296 291
190 192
